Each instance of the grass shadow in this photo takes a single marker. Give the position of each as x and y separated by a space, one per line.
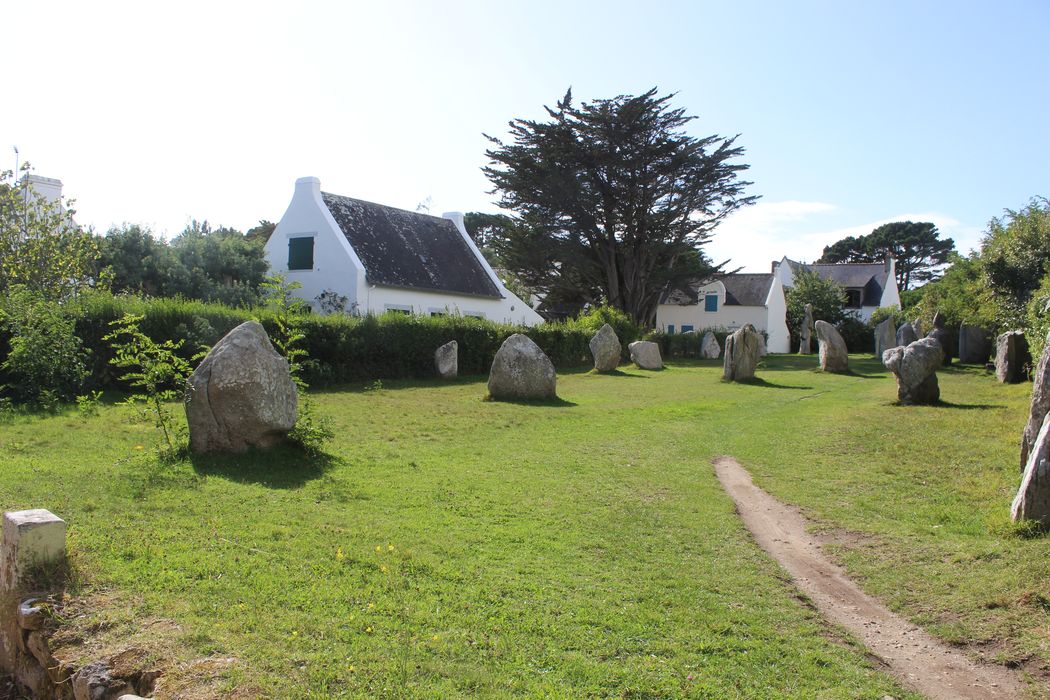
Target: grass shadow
969 406
758 381
283 467
617 373
556 402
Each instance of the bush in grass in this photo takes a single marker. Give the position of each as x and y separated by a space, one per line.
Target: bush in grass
686 344
45 362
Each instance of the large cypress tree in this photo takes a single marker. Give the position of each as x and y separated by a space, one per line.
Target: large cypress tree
613 199
916 246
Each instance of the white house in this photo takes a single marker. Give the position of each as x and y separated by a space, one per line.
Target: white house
733 300
386 259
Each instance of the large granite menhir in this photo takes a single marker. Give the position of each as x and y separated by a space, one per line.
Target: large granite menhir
741 354
915 368
1032 501
805 332
709 348
885 337
1011 357
973 345
520 370
241 395
446 360
1040 405
605 348
944 336
832 348
646 354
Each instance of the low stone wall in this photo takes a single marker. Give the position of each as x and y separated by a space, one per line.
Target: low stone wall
32 551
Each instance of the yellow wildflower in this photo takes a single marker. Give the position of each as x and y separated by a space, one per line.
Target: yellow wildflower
382 567
339 554
368 630
390 548
434 638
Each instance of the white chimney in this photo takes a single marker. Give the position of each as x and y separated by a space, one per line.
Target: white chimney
47 187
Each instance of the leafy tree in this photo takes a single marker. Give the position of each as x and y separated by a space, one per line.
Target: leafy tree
917 248
613 199
960 294
261 232
41 247
138 261
1015 253
826 296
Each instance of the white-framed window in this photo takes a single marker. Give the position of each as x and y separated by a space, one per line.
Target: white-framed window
474 314
398 309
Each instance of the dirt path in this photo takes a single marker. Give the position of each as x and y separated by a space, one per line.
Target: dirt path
914 657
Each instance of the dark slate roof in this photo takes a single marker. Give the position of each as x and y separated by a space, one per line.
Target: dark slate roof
869 277
407 249
742 289
747 289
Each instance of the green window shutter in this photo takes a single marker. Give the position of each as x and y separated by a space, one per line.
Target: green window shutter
711 302
301 253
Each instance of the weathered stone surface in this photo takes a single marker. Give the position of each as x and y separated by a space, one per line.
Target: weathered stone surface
762 349
832 348
1032 501
1011 357
1040 405
906 335
709 348
32 614
917 327
446 360
885 337
646 354
741 354
606 349
806 332
241 395
973 345
37 646
520 370
942 335
915 368
94 682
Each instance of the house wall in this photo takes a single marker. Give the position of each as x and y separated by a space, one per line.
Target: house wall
729 317
337 268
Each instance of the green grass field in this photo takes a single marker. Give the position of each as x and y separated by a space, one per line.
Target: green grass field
453 546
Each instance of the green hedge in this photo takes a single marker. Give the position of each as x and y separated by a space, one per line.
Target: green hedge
341 348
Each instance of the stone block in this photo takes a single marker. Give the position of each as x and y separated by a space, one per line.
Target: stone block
29 537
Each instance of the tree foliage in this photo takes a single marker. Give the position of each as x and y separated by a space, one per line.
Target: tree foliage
915 246
613 199
1015 256
826 296
41 247
203 263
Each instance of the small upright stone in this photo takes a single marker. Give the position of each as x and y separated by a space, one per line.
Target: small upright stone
446 360
646 354
806 332
1011 357
1032 501
709 348
741 354
241 395
973 345
1040 405
906 335
885 337
832 348
915 368
521 370
942 335
606 349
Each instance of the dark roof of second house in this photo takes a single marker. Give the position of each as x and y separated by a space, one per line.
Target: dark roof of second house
742 289
871 278
407 249
746 288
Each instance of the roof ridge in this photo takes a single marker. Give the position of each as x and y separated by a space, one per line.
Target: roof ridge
385 206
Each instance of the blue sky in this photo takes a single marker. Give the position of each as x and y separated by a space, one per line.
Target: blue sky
851 114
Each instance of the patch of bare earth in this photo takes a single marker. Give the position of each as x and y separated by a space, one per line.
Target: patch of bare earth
102 626
911 655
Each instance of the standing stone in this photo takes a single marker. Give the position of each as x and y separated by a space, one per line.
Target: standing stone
832 348
446 360
806 332
915 368
1011 356
709 348
762 349
906 335
241 395
741 354
885 337
917 325
1032 501
606 349
646 354
1040 403
943 336
973 345
520 370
